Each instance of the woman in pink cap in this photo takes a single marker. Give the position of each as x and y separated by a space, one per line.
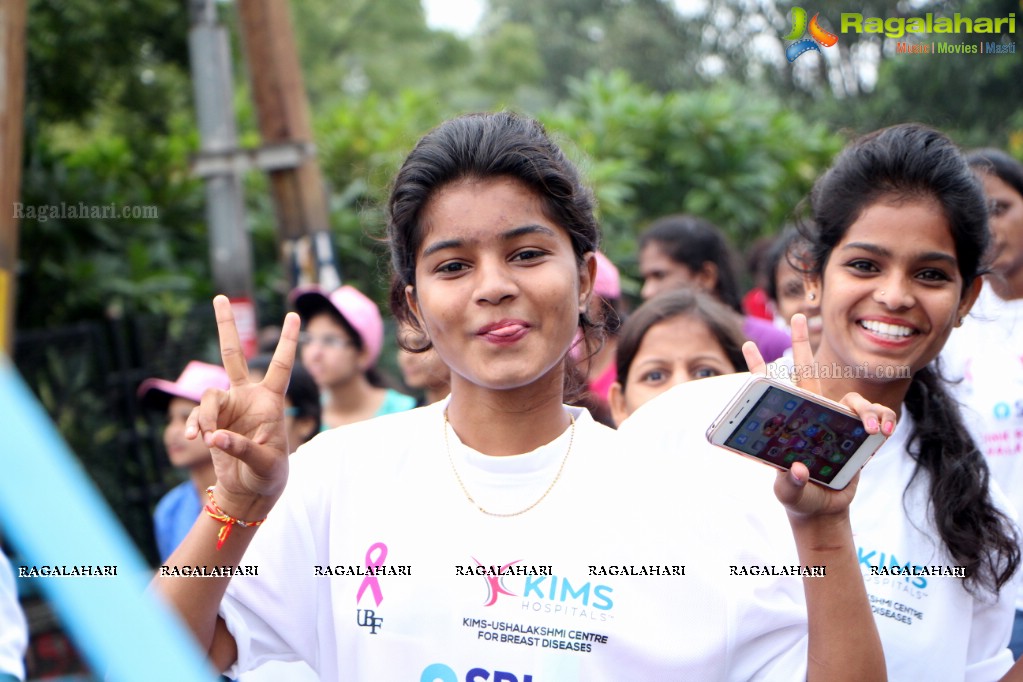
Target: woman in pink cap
176 511
339 346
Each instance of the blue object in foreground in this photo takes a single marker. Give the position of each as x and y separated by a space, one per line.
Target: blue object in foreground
57 519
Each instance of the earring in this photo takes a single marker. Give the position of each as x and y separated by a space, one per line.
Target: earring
812 296
882 292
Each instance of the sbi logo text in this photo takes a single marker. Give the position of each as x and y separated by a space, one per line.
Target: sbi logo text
438 672
1004 410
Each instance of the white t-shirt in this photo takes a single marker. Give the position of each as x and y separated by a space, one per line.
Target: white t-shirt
13 630
931 627
983 359
382 493
281 671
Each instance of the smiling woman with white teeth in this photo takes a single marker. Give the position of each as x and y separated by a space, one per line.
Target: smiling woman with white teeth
896 244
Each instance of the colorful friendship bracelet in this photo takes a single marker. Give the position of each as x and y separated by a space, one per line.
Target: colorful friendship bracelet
218 514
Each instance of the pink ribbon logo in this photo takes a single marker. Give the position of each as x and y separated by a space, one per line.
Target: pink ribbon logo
371 581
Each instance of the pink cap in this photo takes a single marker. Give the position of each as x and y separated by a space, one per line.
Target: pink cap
354 306
608 283
193 382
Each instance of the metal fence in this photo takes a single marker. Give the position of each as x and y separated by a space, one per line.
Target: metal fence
86 376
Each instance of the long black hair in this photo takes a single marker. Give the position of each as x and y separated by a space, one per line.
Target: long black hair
904 163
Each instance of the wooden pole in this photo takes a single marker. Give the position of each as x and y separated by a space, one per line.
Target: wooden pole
283 112
13 15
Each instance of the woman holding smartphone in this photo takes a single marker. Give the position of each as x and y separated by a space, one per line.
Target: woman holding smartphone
895 256
474 538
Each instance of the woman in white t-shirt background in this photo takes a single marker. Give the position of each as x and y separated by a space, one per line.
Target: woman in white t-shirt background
984 358
492 239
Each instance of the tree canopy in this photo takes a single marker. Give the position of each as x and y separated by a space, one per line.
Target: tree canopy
665 111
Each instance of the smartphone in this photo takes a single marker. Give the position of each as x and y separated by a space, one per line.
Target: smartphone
780 424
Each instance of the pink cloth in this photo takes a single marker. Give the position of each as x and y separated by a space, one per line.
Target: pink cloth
601 386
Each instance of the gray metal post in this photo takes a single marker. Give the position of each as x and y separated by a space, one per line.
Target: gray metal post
230 246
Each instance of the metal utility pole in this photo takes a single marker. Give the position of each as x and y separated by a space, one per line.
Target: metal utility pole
283 111
230 247
12 104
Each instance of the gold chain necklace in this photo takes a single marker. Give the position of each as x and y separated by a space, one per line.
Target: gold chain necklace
447 446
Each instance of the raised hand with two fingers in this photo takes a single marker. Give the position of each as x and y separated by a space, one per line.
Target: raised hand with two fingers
244 425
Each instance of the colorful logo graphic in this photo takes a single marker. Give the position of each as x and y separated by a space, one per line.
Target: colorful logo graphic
818 36
494 585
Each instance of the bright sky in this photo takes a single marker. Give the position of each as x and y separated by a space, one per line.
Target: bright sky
461 16
457 16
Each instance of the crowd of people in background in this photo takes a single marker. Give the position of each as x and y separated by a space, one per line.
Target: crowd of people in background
901 236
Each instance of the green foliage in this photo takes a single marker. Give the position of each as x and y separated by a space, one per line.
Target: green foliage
361 143
353 48
108 123
741 159
623 85
84 54
86 268
647 38
968 96
510 59
66 387
860 84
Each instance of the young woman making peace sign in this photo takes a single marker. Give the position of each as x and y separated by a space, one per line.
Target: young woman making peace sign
492 239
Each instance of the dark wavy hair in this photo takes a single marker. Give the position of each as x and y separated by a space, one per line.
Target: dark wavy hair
692 241
905 163
678 303
478 147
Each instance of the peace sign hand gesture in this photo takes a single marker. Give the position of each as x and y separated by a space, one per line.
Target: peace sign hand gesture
800 499
244 426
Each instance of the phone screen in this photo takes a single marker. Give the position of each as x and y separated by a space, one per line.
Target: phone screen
783 428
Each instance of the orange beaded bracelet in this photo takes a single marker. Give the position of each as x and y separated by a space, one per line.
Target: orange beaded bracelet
218 514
